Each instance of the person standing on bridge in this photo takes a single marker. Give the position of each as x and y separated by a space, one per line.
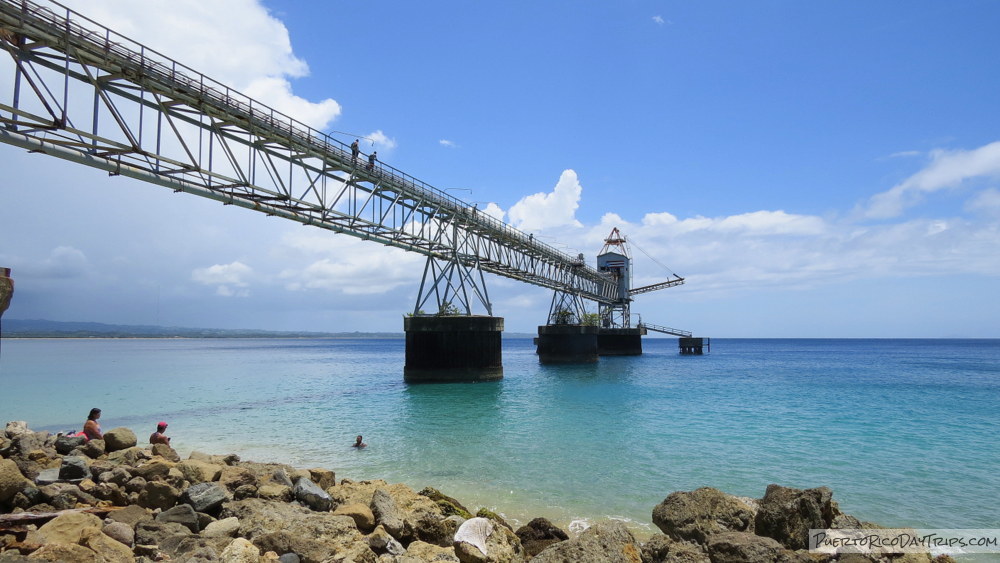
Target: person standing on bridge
354 152
371 160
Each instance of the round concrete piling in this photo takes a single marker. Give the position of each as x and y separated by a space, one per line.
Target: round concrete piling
567 344
447 349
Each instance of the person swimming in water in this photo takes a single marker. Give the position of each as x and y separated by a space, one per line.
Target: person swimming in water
358 443
92 428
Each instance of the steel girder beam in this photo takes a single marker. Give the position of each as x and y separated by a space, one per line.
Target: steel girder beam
156 120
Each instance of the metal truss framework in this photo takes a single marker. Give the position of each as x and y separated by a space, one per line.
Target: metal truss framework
156 120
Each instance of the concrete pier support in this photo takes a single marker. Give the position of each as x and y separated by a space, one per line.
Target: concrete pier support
6 289
620 341
567 344
450 349
693 346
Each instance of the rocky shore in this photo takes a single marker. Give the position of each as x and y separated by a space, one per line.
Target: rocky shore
65 499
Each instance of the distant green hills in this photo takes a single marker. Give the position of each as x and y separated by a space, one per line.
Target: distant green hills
16 328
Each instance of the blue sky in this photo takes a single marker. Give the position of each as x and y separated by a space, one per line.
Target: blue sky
812 169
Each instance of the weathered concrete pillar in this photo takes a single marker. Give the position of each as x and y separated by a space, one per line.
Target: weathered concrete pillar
693 346
451 349
6 289
567 344
620 341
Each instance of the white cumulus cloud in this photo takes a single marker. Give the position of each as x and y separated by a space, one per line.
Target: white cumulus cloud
225 277
554 209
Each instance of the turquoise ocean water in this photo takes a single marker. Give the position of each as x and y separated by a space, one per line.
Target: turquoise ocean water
904 431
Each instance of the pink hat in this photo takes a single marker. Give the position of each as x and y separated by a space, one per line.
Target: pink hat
161 424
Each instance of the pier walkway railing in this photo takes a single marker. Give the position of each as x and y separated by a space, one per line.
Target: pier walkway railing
152 118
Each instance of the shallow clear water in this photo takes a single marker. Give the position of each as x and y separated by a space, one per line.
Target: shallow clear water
903 431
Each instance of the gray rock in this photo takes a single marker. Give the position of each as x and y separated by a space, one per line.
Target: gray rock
74 468
181 514
151 532
311 495
119 476
608 541
227 527
742 547
158 494
660 548
65 444
280 476
16 428
381 542
120 532
694 516
136 484
538 534
205 497
120 438
290 528
387 513
289 558
166 452
788 514
94 449
130 515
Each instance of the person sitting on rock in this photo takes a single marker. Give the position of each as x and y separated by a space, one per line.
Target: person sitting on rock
92 428
159 437
358 443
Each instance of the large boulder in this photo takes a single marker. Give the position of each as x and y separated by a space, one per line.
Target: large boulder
205 497
479 540
11 480
387 513
449 506
788 514
742 547
120 438
362 515
538 534
166 452
227 527
65 443
156 468
381 543
289 528
68 528
696 515
309 494
16 428
198 471
158 494
608 541
107 548
240 551
181 514
661 548
74 468
120 532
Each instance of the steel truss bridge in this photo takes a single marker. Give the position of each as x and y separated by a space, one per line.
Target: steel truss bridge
84 93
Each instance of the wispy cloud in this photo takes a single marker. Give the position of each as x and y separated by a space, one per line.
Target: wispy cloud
947 169
659 20
447 143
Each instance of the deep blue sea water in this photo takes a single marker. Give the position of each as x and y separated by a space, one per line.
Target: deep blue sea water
905 432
